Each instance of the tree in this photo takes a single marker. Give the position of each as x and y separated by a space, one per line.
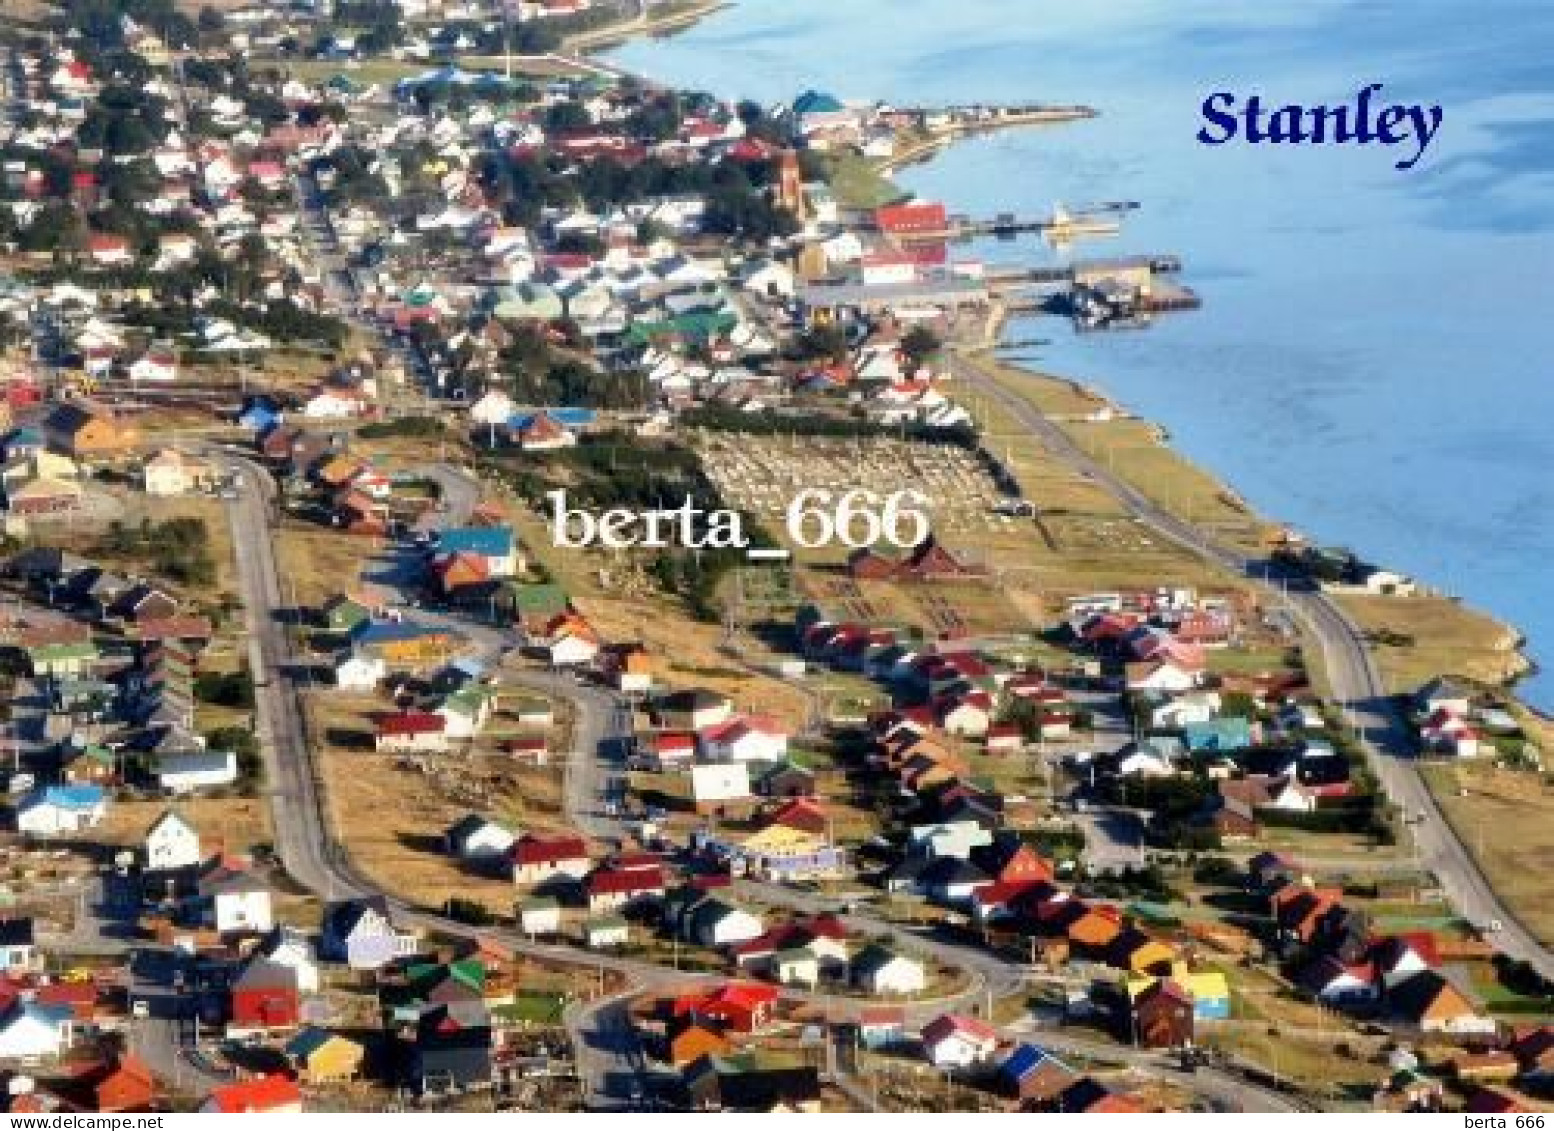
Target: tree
828 342
919 343
565 117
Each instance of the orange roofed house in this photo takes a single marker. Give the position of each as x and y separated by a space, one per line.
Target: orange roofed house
269 1094
89 432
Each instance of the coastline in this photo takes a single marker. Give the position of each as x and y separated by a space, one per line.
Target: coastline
1458 639
679 18
1508 641
1502 663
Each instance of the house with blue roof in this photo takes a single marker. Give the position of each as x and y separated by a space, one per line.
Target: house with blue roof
60 810
259 415
573 417
815 111
25 441
496 545
1218 735
1031 1072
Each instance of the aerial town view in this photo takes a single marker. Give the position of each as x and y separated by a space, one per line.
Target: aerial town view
788 557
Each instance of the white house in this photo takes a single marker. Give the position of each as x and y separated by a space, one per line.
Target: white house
716 923
1292 797
1143 760
1194 707
476 838
720 782
359 671
745 739
1163 676
605 932
171 842
18 946
236 902
289 947
492 410
967 718
160 365
36 1032
165 475
61 809
192 770
333 404
880 971
958 1042
953 838
572 649
540 915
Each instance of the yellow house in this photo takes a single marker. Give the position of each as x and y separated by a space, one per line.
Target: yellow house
1210 990
320 1056
780 840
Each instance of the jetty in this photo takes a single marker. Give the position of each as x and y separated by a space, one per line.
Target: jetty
1062 224
1097 293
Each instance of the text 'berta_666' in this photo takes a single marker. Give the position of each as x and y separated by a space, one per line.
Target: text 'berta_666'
814 519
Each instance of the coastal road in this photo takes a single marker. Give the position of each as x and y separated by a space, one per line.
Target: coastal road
1351 669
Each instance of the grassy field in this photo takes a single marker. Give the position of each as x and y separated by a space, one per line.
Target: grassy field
1505 818
1137 450
234 824
622 609
1435 636
1313 1064
315 563
391 818
856 181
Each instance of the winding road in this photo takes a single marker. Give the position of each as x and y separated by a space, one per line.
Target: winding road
610 1057
1351 669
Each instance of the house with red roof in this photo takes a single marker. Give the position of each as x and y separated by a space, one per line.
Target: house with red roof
410 732
915 218
668 751
739 1007
805 814
823 936
122 1082
265 996
536 860
623 882
108 249
745 738
953 1041
274 1094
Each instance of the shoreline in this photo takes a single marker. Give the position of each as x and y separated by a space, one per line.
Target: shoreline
613 35
1512 636
1512 640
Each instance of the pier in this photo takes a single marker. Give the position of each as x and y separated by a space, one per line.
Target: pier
1097 293
1063 224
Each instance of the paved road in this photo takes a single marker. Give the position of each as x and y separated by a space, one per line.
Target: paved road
1351 668
1220 1086
305 844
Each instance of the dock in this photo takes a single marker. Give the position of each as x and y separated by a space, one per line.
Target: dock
1063 224
1097 293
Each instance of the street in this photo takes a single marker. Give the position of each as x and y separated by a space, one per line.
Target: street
1357 686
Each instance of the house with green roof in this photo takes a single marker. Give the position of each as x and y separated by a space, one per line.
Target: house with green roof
606 932
342 614
62 659
535 602
466 711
